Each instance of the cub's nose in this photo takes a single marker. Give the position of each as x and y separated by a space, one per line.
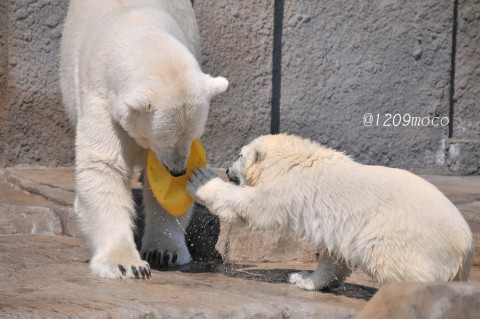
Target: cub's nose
228 170
232 177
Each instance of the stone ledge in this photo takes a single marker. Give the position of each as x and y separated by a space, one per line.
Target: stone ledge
462 155
48 276
424 301
40 187
56 185
35 220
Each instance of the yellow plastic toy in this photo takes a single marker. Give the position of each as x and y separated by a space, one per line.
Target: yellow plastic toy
171 192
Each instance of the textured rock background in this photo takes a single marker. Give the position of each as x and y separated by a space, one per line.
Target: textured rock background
238 45
338 61
467 71
34 128
466 124
344 60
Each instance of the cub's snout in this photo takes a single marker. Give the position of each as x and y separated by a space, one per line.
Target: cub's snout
232 176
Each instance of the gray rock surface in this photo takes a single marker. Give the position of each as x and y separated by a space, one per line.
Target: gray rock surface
467 72
340 61
34 127
344 60
236 243
35 220
424 301
41 187
463 155
56 185
3 78
236 43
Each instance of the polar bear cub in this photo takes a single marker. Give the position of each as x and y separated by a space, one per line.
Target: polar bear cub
392 224
131 81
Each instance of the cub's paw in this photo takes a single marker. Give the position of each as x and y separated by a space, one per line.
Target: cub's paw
118 265
159 258
303 280
312 281
202 182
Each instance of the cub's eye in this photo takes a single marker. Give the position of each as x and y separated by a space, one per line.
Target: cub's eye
258 156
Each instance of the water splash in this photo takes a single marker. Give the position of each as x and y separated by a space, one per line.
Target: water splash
181 227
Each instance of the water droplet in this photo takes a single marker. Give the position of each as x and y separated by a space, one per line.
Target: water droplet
178 222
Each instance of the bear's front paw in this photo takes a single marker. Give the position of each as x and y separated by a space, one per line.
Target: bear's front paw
159 258
119 265
202 184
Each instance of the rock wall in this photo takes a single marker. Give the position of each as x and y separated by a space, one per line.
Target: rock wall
343 61
332 64
3 76
464 148
34 127
238 46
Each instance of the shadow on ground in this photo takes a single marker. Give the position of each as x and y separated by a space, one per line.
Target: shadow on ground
201 237
271 276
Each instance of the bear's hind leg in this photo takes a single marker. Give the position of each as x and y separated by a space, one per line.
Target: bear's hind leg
163 242
330 273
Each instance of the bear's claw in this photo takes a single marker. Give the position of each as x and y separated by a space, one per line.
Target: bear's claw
135 272
146 273
122 270
159 258
140 273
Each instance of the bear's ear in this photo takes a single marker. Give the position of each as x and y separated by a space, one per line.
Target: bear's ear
216 85
137 102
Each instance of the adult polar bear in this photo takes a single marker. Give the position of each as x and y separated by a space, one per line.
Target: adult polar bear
390 223
131 80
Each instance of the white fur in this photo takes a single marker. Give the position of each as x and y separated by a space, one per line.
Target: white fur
131 80
392 224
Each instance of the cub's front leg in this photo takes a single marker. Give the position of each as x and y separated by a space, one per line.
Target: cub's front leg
217 195
250 205
105 208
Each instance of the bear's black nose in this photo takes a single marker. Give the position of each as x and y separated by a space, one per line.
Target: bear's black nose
228 170
178 173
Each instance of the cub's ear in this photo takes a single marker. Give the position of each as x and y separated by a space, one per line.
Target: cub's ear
138 101
216 85
259 155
